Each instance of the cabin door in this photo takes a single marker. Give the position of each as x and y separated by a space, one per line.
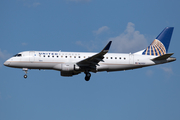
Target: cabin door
31 56
131 59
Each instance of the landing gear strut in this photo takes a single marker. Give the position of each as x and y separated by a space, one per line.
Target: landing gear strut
25 70
88 75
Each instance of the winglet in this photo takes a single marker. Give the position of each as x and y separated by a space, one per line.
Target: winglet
106 49
95 59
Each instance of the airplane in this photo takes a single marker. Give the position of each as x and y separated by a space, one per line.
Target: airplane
73 63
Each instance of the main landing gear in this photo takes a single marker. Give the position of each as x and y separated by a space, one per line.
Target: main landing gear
88 75
25 70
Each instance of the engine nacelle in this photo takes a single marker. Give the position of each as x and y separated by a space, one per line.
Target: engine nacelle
69 69
69 74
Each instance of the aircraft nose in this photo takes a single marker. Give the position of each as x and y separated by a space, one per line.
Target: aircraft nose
6 63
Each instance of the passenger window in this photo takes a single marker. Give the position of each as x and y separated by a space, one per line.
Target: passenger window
57 56
79 56
106 57
124 58
66 56
44 55
119 57
115 57
74 56
111 57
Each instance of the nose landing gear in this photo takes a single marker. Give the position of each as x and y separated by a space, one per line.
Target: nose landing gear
25 70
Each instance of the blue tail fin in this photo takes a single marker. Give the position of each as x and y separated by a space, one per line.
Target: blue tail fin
161 44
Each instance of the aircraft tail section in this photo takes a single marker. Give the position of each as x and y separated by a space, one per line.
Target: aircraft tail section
161 44
163 57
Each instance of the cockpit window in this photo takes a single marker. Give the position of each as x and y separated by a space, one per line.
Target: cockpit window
18 55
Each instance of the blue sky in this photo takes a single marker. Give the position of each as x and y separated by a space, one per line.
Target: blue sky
87 25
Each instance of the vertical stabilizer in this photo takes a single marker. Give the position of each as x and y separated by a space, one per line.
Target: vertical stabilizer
161 44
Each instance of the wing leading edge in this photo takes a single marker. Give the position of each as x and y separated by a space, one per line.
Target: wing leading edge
95 59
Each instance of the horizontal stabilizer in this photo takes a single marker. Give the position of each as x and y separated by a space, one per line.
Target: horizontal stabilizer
163 57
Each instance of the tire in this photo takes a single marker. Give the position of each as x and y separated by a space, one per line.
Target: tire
87 78
25 76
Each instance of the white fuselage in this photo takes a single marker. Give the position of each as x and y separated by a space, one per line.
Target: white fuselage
52 60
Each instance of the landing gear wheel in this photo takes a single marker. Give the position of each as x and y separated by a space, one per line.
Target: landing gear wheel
25 76
25 70
87 77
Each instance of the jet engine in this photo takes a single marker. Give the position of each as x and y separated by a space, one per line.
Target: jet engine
69 69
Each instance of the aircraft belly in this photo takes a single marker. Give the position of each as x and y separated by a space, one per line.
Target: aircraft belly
117 67
41 65
102 68
34 65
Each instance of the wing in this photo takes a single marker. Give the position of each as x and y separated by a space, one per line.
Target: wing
95 59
